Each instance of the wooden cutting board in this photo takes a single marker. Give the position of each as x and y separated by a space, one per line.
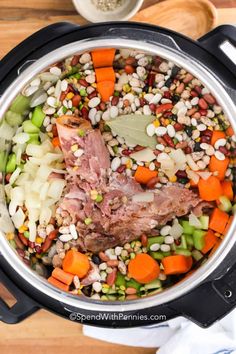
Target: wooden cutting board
190 17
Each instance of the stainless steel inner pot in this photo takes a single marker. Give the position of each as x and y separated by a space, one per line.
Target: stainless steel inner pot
224 96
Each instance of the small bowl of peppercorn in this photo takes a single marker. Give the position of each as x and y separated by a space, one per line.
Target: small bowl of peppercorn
107 10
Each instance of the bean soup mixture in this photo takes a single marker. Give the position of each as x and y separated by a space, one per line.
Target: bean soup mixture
120 177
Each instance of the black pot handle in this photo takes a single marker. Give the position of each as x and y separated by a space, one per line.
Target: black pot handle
24 306
29 45
219 41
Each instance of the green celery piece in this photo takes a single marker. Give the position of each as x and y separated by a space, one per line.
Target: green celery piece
198 239
204 220
189 240
3 161
29 127
183 251
153 284
11 163
183 242
38 116
225 204
187 228
120 280
157 255
13 118
166 254
156 239
20 105
132 127
133 284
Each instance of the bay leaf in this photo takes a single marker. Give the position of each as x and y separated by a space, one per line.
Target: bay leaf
132 127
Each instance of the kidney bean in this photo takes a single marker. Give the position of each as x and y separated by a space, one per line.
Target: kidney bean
54 130
92 94
83 82
177 242
144 240
203 112
152 182
167 94
205 139
52 221
224 150
142 101
164 107
188 78
202 103
76 100
191 111
167 114
129 69
62 96
130 61
38 249
75 60
178 127
160 140
207 132
46 245
181 174
156 152
188 150
138 148
152 107
31 244
102 106
209 98
168 140
196 115
53 234
20 252
198 89
112 263
151 79
23 239
181 145
115 100
84 112
194 93
180 88
130 291
111 277
121 168
126 152
26 261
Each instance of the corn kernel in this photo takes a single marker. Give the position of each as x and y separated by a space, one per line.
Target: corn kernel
105 286
74 147
197 140
22 229
93 194
10 236
75 168
70 95
129 164
158 115
94 85
39 240
167 121
126 88
173 179
156 123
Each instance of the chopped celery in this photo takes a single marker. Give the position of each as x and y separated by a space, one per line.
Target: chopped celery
198 239
166 254
156 239
3 160
204 220
13 119
197 255
34 140
120 280
183 242
20 104
11 163
157 255
187 228
38 116
29 127
189 240
183 251
111 297
153 284
133 284
225 204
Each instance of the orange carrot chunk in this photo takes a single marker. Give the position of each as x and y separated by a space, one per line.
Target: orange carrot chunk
76 263
144 174
229 131
210 189
143 268
105 74
56 141
228 225
216 135
210 240
218 220
176 264
58 284
227 187
62 276
219 166
106 89
103 57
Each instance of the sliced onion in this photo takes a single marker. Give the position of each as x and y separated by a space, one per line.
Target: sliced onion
205 174
18 218
193 176
15 175
38 98
17 194
56 188
47 76
45 215
20 138
44 191
6 224
176 230
191 163
146 197
43 172
145 155
193 221
32 231
35 150
34 214
178 156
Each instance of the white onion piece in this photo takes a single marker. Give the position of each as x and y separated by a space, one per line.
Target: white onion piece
6 131
6 224
32 201
20 138
56 188
193 176
204 175
44 191
146 197
18 218
50 157
47 76
38 98
176 230
36 185
35 150
44 172
193 221
17 194
15 175
191 163
22 179
12 207
178 156
34 214
145 155
45 215
32 231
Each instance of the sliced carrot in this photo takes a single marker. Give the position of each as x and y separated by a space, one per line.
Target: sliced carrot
228 225
216 135
218 241
144 174
105 74
219 166
62 276
210 240
103 57
58 284
229 131
218 220
76 263
227 187
106 89
210 189
176 264
56 141
143 268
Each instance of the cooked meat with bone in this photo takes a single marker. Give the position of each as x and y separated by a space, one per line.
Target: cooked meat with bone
118 218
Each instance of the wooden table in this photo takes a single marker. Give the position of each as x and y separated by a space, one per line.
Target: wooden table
44 332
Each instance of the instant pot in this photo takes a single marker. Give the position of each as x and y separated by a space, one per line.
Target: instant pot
204 296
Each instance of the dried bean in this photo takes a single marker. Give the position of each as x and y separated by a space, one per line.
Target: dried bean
168 140
202 103
23 239
83 82
103 257
46 245
115 100
152 182
209 98
121 168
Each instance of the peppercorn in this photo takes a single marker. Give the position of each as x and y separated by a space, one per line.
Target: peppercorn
96 259
189 130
